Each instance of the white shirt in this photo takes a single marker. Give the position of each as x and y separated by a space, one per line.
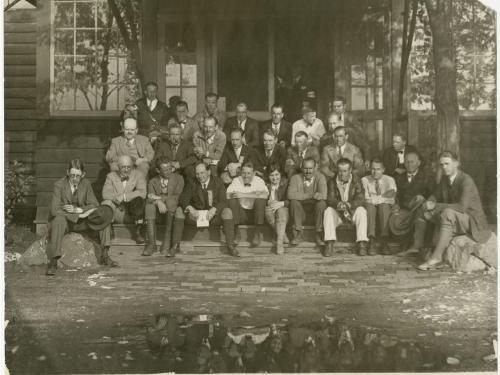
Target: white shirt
411 176
274 189
210 140
344 188
308 183
315 131
204 185
303 153
256 185
401 156
73 188
276 127
152 103
452 178
386 183
242 124
342 149
164 184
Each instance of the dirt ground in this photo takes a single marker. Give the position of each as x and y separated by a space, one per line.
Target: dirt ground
95 321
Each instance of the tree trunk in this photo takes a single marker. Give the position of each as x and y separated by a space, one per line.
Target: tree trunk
445 95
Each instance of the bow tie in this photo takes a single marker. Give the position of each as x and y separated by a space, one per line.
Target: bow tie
183 122
344 182
401 152
124 178
247 184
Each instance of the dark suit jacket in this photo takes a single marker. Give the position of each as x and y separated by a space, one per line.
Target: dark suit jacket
422 184
293 154
229 156
285 133
62 196
282 192
193 195
251 133
390 158
277 157
356 193
146 120
185 154
189 127
174 187
463 197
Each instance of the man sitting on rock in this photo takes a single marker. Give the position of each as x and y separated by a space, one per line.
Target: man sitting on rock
134 145
346 200
164 191
125 192
74 208
455 207
307 193
247 197
207 195
234 156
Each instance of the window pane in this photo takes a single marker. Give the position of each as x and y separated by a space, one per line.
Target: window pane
63 92
370 62
85 42
180 37
172 91
371 97
104 15
107 98
173 71
63 40
189 70
112 70
85 98
358 98
63 15
122 69
379 99
189 95
486 69
85 15
380 71
485 97
358 75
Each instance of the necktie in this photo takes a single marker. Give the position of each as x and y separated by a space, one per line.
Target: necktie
340 151
276 129
410 177
340 117
124 178
247 185
268 154
240 124
205 186
377 187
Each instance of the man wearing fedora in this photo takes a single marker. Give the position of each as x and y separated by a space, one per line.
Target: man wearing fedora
164 191
125 192
414 187
455 207
346 200
74 208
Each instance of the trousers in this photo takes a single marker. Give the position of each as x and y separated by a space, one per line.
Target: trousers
298 210
381 212
243 216
332 220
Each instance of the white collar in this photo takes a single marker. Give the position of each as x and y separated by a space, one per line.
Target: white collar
453 177
347 183
206 182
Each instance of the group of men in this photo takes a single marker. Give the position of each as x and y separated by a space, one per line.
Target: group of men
214 169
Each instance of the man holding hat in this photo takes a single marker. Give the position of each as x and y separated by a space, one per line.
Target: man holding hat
75 208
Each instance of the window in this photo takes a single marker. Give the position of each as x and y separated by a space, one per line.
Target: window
180 65
474 37
91 67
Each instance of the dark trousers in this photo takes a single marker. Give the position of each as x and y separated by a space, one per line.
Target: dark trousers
300 210
128 212
224 218
380 212
244 216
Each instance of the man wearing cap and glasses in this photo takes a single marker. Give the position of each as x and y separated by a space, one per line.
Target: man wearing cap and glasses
75 208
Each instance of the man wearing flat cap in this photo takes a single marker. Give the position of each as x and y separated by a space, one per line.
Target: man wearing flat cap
75 208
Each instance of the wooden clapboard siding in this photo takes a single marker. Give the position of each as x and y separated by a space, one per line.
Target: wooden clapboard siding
21 122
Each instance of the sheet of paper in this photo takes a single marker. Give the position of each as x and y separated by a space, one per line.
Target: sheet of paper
202 219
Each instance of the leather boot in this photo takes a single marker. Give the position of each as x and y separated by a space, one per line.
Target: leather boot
297 237
329 249
258 236
280 237
237 235
165 246
177 230
105 259
51 267
139 238
229 230
150 247
319 239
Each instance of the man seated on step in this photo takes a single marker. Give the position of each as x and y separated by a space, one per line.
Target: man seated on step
341 148
269 153
187 124
209 143
247 196
125 192
206 195
164 191
74 208
134 145
380 193
346 200
234 156
307 193
178 151
298 153
454 207
414 187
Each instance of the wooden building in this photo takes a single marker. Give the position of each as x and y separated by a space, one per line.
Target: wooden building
57 106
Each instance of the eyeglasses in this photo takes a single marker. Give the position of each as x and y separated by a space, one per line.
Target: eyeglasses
75 175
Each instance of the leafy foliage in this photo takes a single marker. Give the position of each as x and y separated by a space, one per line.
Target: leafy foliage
17 186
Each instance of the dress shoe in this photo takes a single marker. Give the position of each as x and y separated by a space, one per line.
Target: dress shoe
170 253
280 249
319 239
139 237
408 252
372 249
51 267
363 247
431 264
329 249
149 250
257 239
233 251
297 238
105 258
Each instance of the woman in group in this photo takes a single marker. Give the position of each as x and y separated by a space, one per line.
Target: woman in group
277 205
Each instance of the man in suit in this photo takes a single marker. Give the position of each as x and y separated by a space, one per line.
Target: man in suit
346 200
187 124
209 144
247 196
270 152
281 128
341 149
75 208
208 193
307 192
309 124
394 156
248 125
455 207
125 192
178 151
211 109
134 145
380 193
164 191
298 153
151 112
234 156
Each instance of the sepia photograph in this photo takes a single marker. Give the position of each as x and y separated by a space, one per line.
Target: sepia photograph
250 186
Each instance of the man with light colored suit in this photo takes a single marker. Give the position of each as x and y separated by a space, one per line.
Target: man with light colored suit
131 144
209 144
125 192
248 126
187 124
341 148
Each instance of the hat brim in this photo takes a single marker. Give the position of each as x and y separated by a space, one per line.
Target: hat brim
401 223
100 218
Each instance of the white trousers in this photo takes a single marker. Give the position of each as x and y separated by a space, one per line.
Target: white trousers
331 220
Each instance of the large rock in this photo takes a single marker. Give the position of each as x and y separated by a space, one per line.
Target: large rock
35 255
466 255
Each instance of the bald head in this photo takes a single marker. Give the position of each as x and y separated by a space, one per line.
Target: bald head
130 128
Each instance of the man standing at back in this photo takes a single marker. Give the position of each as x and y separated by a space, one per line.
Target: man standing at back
280 127
187 124
211 109
394 156
152 113
309 124
248 126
